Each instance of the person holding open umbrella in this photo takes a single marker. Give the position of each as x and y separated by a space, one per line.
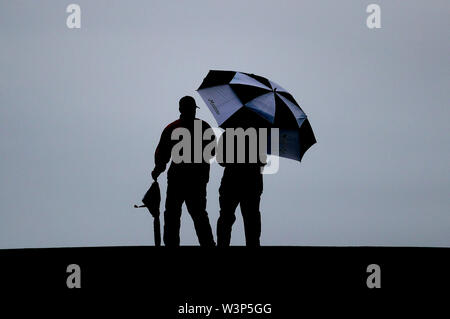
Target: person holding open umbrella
241 184
246 101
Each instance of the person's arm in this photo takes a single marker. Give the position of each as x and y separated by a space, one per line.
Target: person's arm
221 150
210 142
162 153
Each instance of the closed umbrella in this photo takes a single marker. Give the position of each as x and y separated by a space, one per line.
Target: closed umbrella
152 200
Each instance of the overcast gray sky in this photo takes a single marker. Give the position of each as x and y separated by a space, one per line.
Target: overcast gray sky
81 112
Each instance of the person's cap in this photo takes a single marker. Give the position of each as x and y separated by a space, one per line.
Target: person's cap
188 102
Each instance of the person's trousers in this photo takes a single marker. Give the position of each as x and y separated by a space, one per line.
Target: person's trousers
194 196
233 192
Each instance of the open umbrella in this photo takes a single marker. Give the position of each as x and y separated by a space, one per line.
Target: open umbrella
237 97
152 200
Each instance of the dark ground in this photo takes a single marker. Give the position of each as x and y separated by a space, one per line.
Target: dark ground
157 280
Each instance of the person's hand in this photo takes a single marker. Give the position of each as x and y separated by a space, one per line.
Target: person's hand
155 175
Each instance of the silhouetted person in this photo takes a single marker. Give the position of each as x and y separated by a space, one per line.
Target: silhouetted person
186 181
242 184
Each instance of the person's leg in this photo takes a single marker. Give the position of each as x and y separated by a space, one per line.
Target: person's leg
196 205
251 213
228 203
172 216
252 220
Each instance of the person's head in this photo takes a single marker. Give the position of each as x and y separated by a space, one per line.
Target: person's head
187 106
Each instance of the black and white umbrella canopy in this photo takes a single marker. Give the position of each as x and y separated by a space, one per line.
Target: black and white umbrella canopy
237 99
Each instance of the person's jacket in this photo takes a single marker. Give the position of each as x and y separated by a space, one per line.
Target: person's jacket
244 156
197 166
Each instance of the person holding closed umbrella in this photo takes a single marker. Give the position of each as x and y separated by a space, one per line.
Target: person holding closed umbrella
186 181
